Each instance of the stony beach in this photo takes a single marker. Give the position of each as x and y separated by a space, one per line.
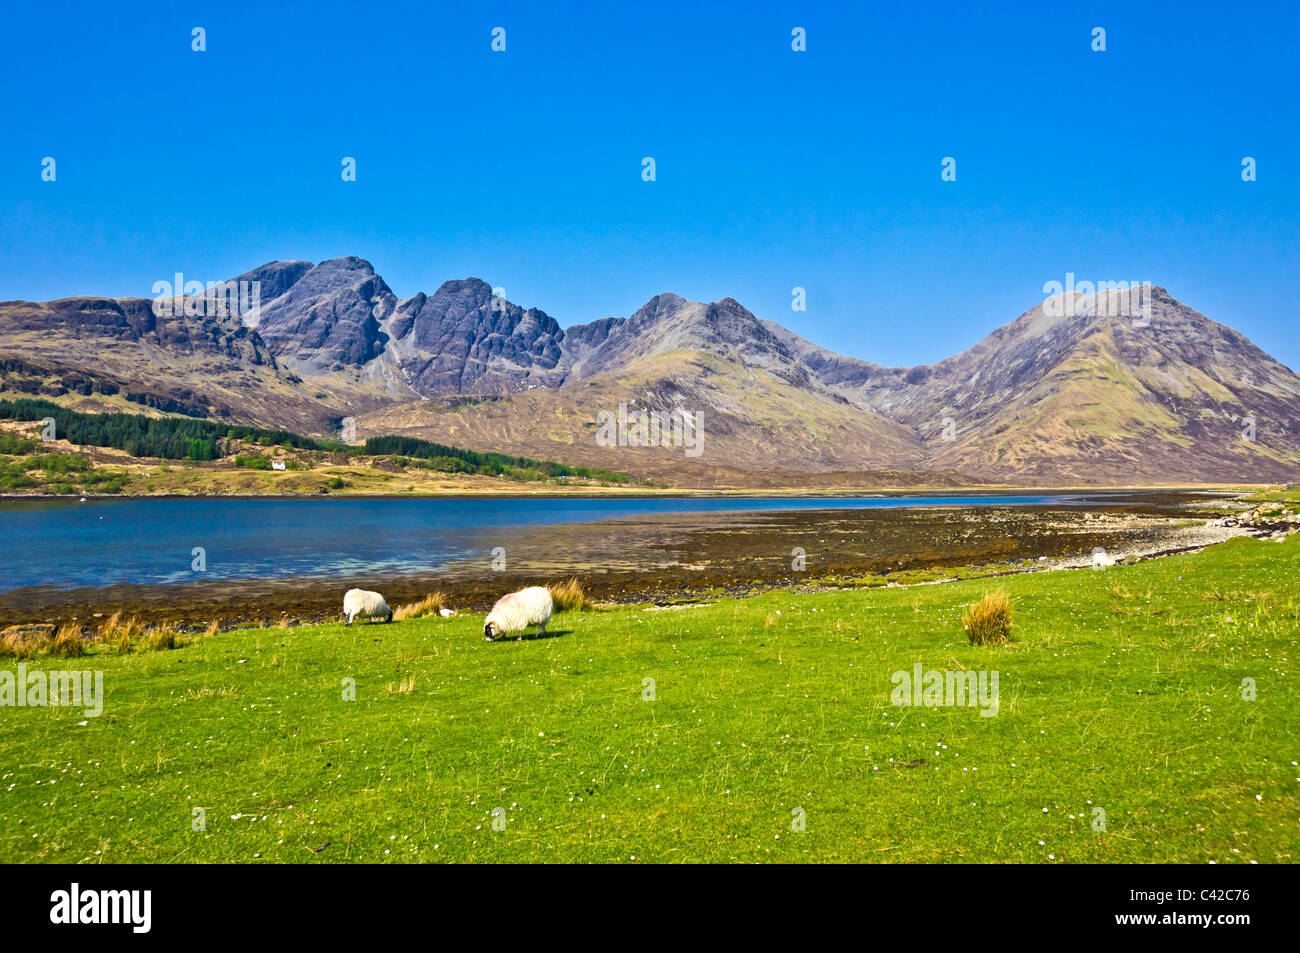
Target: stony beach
672 558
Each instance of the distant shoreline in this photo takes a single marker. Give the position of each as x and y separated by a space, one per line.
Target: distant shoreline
678 493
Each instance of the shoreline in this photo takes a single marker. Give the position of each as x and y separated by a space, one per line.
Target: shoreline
674 493
477 599
669 558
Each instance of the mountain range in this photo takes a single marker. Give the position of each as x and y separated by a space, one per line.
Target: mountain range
1076 390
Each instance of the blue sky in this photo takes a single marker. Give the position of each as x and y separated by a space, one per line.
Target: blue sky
775 169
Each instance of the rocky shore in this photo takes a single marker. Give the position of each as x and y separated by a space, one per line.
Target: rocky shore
672 558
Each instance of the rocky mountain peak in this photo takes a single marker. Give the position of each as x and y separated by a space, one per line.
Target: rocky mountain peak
463 339
329 318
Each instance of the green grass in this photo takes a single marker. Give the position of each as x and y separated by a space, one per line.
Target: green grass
1122 691
1281 496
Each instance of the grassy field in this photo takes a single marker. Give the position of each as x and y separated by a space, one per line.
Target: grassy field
1123 691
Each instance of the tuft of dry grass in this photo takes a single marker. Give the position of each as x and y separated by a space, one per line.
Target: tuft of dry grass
429 605
119 632
404 687
569 596
213 628
14 645
108 630
162 639
988 622
67 643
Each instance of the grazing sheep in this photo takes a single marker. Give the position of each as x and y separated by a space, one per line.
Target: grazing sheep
518 610
366 605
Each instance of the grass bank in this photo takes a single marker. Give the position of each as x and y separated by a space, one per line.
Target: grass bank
1122 692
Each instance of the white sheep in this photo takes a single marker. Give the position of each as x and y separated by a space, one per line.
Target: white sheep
518 610
366 605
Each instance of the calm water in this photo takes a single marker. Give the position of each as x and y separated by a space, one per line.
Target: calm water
69 544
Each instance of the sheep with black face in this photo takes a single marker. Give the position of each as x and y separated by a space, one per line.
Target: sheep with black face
518 610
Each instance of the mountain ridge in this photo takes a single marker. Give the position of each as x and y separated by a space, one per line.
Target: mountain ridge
1085 388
